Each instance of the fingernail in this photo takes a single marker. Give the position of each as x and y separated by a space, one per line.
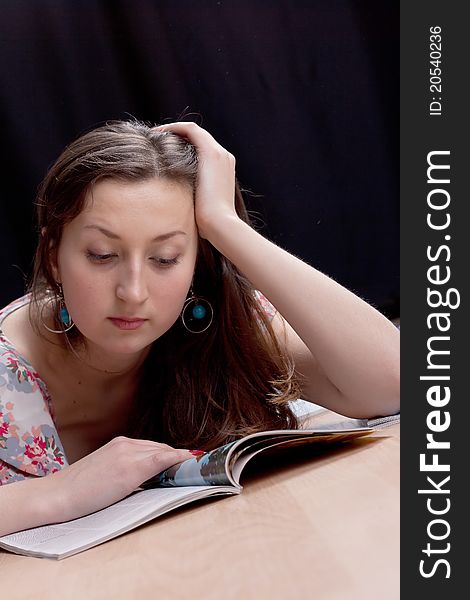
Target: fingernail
197 452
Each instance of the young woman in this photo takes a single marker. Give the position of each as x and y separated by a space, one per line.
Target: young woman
147 330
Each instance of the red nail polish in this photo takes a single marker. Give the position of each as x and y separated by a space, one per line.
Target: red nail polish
197 452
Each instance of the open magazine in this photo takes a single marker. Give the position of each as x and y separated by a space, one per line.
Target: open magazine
215 473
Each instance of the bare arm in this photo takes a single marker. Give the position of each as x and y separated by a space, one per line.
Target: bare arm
347 352
98 480
37 507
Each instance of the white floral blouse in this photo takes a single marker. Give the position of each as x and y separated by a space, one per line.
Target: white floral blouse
29 442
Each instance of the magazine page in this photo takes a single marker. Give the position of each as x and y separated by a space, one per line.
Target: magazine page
207 469
239 460
64 539
215 467
212 468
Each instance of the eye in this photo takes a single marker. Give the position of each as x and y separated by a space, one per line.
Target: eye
99 258
165 262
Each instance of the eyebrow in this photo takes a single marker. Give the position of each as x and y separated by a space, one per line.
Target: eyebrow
114 236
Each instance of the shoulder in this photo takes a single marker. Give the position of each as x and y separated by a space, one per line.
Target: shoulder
14 305
15 326
29 442
16 373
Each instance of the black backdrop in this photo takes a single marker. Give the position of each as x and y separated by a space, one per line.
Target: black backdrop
304 93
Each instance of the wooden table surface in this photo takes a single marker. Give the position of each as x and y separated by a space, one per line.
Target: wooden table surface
308 524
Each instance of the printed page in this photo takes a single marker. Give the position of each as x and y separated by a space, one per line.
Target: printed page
304 410
208 469
249 452
64 539
214 467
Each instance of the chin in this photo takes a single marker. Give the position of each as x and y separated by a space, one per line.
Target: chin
132 345
109 347
127 348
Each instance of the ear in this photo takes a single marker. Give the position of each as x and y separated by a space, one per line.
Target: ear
53 261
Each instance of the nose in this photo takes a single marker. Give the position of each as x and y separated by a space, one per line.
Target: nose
132 285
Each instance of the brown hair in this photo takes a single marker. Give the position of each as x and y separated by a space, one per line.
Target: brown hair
196 390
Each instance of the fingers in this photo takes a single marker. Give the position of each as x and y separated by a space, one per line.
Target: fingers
183 126
110 473
174 456
205 143
162 460
122 439
135 442
188 129
144 448
134 461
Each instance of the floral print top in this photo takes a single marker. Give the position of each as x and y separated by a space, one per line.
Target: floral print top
29 442
30 445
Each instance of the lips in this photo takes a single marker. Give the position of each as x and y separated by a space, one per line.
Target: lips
127 323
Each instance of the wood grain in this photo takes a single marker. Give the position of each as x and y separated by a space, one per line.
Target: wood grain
308 524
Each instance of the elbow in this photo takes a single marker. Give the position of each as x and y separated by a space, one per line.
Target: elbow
392 392
382 400
386 399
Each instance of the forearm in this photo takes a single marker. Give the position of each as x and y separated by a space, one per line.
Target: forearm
356 346
348 350
25 504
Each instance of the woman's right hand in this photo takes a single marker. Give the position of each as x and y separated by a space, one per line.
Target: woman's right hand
108 474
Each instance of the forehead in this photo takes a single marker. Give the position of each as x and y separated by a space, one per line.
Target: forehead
135 195
136 212
150 201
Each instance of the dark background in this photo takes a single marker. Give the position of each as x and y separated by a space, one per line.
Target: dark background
305 94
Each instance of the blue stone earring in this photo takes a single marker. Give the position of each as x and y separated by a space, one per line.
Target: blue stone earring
58 303
197 313
65 317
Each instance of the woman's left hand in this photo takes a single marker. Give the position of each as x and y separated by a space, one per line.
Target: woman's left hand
216 177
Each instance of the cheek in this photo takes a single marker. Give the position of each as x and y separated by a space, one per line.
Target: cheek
84 288
84 294
169 289
168 293
90 294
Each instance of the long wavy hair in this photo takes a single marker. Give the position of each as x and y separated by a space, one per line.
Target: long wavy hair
196 390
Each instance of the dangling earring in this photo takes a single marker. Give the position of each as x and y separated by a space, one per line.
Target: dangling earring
197 313
60 309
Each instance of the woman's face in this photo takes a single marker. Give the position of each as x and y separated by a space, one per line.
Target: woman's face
130 254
